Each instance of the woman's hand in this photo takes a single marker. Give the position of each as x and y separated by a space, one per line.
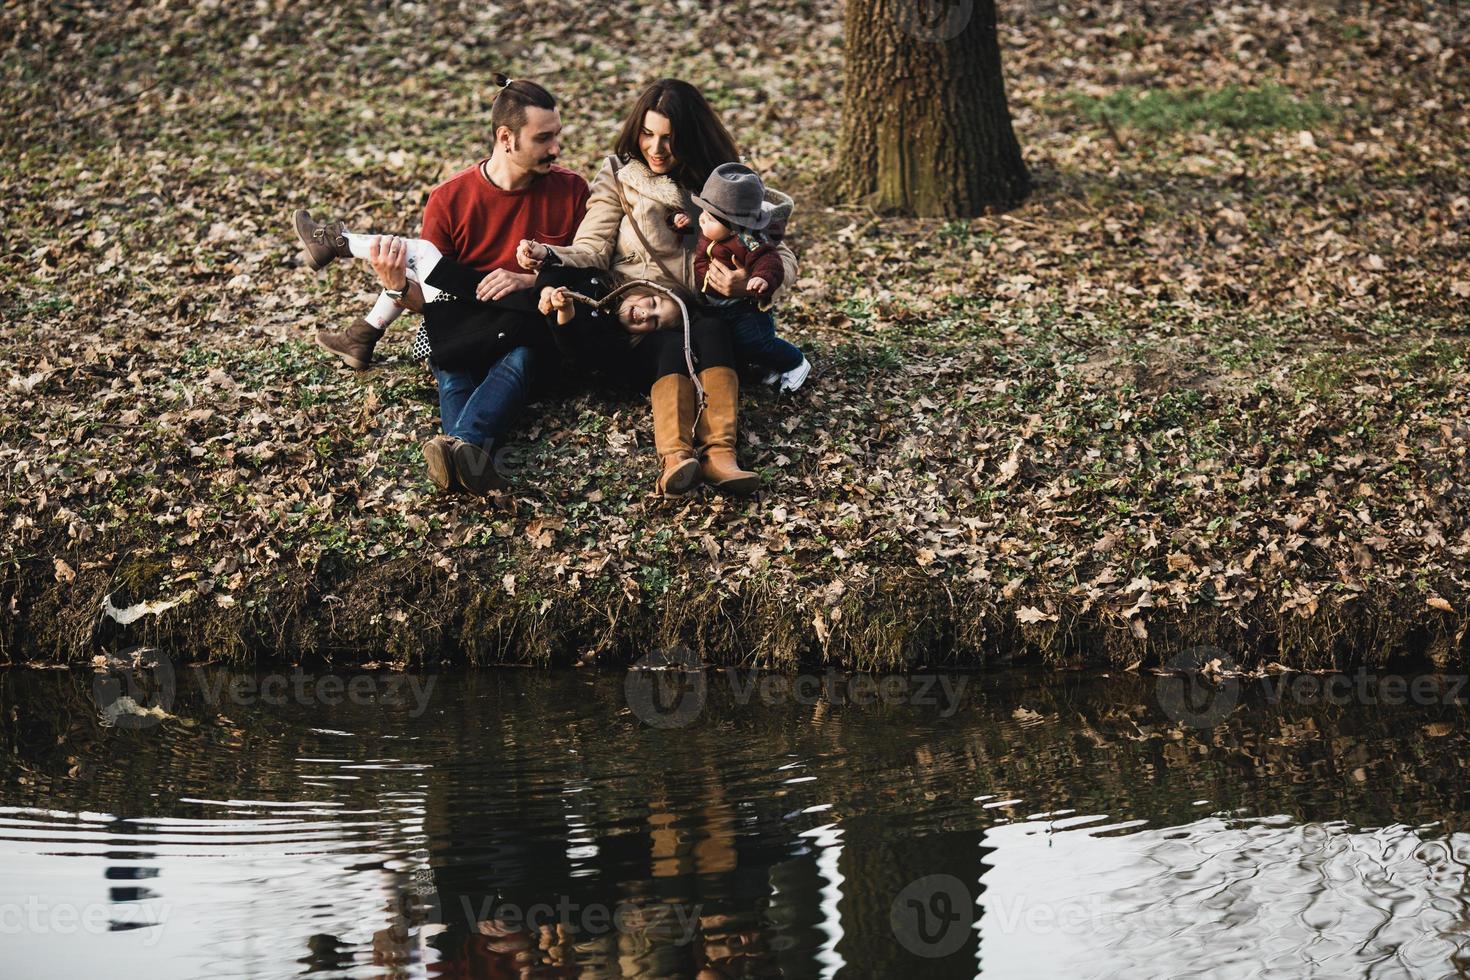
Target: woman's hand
558 300
727 281
530 254
499 282
389 258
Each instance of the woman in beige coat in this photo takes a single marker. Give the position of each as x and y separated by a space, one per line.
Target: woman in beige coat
666 150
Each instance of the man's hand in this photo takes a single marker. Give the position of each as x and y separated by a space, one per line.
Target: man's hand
726 281
389 258
500 283
530 254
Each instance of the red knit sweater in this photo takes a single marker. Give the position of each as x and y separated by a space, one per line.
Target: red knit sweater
479 225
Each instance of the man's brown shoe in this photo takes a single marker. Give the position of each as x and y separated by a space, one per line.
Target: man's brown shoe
353 344
439 458
323 240
475 468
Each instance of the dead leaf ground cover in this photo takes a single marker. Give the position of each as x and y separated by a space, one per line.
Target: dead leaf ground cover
1205 387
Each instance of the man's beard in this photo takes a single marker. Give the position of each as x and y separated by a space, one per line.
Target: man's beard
515 147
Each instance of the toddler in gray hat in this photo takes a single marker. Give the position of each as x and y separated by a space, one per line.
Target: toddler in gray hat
741 222
735 227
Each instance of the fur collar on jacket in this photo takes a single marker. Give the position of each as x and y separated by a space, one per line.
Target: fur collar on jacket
661 188
635 175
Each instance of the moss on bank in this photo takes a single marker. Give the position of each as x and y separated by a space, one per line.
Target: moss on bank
408 614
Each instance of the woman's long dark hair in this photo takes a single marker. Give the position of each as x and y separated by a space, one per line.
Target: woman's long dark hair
700 141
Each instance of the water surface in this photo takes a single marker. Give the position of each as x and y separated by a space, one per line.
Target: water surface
563 824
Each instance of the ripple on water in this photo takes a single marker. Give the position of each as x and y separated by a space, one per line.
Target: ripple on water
241 894
1265 896
1076 821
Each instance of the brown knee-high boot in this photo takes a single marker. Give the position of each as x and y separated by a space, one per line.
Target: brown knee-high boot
674 405
714 436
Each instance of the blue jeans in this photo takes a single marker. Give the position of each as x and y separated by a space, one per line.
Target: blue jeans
755 338
479 407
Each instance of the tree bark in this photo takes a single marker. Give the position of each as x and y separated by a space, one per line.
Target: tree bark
925 127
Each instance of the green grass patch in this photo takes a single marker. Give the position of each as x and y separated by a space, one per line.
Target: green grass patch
1232 107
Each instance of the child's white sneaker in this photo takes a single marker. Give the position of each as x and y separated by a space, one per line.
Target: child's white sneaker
790 380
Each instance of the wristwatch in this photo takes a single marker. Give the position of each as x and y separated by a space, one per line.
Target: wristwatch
396 295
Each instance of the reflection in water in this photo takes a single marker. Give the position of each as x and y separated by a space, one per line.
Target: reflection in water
1265 897
528 824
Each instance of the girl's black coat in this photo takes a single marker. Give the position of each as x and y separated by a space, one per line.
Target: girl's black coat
470 335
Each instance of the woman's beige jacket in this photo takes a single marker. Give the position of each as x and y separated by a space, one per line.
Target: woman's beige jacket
605 239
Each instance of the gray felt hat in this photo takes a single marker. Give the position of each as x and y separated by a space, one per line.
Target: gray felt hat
737 196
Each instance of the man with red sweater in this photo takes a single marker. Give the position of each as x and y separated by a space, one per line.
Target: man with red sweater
477 218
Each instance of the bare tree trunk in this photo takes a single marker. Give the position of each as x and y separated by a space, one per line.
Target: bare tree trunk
925 127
